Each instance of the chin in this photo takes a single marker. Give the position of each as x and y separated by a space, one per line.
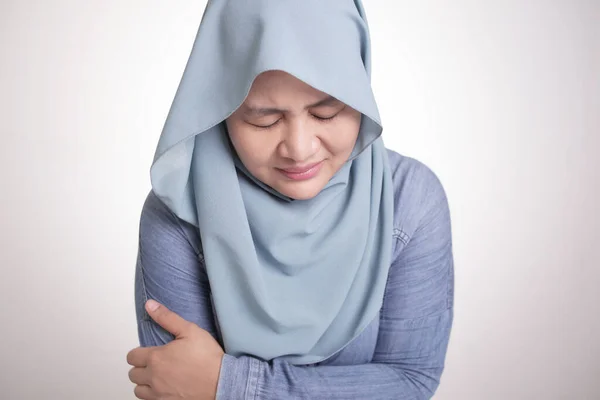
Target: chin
304 191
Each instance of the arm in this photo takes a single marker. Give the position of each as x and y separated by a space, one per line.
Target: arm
169 270
415 321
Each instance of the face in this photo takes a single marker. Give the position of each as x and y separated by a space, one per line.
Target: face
291 136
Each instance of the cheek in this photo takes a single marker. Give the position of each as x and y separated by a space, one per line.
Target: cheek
342 138
253 148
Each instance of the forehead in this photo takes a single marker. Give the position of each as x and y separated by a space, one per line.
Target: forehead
279 86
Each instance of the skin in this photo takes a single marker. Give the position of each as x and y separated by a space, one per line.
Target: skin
285 123
186 368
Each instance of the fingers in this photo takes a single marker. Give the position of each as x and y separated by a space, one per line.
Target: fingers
166 318
138 357
144 392
139 376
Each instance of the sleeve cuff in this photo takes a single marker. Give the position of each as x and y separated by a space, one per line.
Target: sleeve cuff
238 379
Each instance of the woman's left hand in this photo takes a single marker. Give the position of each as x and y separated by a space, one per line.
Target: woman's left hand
186 368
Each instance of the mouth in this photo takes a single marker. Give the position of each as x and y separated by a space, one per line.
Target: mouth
303 172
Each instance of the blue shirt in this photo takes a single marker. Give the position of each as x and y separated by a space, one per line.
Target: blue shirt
400 355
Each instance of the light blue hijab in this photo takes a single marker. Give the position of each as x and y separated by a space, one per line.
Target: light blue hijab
291 279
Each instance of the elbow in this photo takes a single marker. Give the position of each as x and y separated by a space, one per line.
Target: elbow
424 382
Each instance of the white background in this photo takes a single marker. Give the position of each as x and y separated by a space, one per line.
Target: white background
501 99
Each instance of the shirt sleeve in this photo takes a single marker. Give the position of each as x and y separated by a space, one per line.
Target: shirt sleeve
415 322
170 270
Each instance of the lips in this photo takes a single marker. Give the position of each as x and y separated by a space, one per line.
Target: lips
303 172
300 170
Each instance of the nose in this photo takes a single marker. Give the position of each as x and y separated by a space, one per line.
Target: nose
298 143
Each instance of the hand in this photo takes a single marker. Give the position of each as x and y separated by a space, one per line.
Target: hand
186 368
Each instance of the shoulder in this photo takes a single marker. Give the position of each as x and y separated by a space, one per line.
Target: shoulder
418 194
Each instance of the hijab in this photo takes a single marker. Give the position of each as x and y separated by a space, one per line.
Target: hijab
289 279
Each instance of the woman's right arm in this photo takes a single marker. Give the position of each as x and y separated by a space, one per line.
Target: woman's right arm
169 270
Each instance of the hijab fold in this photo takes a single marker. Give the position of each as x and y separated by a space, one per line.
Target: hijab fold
291 279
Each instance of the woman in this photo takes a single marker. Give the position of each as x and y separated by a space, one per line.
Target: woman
289 254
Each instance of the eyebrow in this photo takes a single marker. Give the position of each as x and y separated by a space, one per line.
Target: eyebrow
261 111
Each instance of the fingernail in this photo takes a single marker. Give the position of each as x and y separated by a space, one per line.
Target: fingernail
152 305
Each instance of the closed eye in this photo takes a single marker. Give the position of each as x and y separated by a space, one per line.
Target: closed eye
266 126
327 118
319 118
